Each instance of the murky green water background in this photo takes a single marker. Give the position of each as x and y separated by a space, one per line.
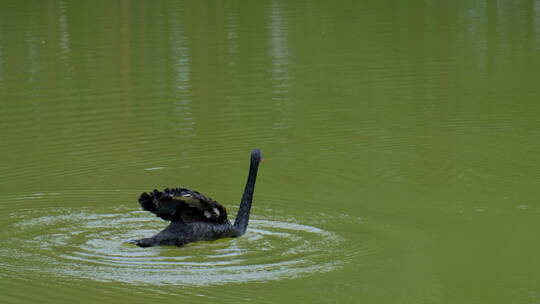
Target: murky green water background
402 146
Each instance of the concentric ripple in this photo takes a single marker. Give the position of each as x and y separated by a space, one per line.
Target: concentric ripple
84 244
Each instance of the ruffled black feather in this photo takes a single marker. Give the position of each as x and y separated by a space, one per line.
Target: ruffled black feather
180 204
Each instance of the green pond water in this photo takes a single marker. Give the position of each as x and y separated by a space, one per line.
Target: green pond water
401 143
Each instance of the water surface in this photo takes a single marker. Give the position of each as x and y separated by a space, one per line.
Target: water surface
401 143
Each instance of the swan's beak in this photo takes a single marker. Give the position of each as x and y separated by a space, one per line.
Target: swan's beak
262 159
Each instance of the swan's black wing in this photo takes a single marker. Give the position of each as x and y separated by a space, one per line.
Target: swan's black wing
184 205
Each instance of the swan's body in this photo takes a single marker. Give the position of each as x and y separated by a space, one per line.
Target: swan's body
195 217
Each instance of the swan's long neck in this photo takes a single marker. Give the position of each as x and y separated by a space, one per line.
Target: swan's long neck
242 218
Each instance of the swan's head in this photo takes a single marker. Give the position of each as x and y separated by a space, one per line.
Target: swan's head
256 156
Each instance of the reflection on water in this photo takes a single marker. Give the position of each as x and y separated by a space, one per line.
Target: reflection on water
1 67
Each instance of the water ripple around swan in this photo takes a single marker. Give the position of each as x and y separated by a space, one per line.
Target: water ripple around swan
82 243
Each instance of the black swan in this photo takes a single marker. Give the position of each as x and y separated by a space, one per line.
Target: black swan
195 217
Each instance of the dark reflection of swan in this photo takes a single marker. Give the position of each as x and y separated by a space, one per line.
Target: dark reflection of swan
195 217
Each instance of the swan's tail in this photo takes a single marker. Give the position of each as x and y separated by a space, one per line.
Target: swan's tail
147 202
